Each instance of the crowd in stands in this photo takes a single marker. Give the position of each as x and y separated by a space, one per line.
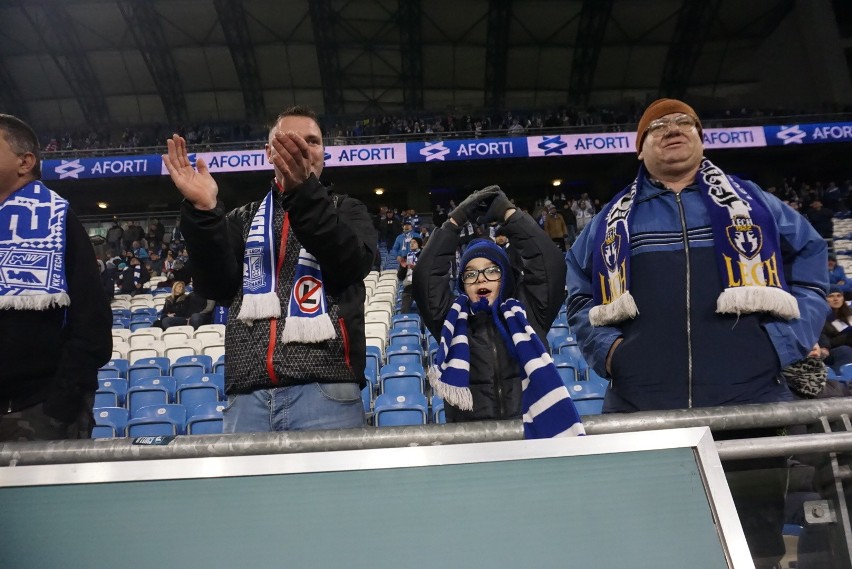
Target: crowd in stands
364 128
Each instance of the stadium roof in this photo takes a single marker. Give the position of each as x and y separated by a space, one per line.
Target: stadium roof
70 63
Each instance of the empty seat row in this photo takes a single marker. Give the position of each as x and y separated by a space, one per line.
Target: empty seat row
158 420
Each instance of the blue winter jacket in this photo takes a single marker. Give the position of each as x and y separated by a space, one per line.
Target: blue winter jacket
402 245
678 352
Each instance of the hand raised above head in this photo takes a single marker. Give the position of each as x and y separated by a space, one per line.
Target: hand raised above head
197 186
474 205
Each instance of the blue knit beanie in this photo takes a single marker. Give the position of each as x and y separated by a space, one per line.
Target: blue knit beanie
489 250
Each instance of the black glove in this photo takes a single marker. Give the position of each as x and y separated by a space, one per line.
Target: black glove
474 205
497 210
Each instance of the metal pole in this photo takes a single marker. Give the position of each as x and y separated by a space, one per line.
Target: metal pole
717 418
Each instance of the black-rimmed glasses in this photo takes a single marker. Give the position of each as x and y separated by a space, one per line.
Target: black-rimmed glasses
492 273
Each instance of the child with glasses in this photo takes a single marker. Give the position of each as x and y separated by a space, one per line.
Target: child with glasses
492 361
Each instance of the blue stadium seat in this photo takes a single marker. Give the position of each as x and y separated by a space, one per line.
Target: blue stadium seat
399 410
105 399
150 391
141 323
400 339
205 419
103 432
573 351
561 321
568 368
219 365
121 323
593 377
371 370
589 406
404 355
205 388
114 418
211 425
148 367
401 373
438 415
846 372
154 420
186 366
117 385
367 398
143 311
114 368
559 335
582 390
399 323
120 313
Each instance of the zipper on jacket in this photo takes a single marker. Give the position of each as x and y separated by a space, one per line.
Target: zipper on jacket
688 300
273 324
498 384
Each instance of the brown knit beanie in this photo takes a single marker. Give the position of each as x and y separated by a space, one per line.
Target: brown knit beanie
661 108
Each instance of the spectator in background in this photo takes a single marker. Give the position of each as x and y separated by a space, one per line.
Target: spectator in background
584 212
836 337
133 277
54 321
114 236
655 311
821 218
389 227
180 305
514 255
406 273
554 226
156 263
401 246
837 276
156 230
139 251
132 233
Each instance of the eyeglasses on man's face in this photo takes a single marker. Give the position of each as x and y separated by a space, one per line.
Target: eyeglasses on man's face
661 126
492 273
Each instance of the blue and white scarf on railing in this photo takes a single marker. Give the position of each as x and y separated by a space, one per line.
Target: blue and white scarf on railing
546 404
746 240
32 249
307 314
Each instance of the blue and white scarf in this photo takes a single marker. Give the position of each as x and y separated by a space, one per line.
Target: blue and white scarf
307 312
747 245
546 404
307 315
32 249
260 299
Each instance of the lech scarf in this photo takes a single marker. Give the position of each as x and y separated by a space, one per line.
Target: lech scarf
32 249
307 315
747 247
546 404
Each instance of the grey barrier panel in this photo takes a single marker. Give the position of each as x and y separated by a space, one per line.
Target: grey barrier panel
655 499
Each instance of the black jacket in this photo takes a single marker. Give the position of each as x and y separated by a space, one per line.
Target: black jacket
495 380
53 355
343 240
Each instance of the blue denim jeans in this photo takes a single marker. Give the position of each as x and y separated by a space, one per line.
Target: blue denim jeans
305 407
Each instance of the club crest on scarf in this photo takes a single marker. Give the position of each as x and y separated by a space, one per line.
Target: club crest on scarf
32 245
745 237
747 248
260 300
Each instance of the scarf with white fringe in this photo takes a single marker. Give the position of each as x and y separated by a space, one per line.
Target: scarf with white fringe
546 403
747 245
32 249
307 313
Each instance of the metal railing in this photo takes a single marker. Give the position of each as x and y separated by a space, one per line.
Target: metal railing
717 418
